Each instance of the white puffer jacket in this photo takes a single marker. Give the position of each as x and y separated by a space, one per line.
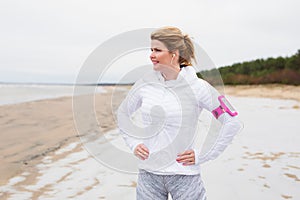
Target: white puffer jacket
169 112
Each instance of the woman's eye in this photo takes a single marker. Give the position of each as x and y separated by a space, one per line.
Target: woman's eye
156 50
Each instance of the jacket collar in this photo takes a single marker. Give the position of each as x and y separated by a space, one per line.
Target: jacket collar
185 76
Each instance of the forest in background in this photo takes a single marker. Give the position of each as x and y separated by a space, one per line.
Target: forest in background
281 70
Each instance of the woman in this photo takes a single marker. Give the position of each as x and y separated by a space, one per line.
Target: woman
170 100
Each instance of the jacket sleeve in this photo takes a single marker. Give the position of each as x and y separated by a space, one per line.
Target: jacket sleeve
220 139
125 112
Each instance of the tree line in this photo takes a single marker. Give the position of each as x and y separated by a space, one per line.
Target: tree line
282 70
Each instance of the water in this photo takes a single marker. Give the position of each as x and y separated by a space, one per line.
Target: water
18 93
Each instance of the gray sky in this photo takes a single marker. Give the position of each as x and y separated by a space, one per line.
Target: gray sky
48 41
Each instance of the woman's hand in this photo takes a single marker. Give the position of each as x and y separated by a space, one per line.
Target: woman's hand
141 151
186 158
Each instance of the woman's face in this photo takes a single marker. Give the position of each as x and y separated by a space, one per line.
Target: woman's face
160 56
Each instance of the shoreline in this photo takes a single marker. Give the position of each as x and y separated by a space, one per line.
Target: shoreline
274 91
37 129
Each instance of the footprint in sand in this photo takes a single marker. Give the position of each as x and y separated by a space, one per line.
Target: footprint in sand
266 166
286 196
292 176
294 167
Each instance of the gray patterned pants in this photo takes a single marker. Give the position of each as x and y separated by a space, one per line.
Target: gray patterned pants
181 187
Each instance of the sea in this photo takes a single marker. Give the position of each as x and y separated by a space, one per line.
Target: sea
18 93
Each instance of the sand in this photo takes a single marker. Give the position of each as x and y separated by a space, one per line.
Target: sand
32 130
275 91
42 156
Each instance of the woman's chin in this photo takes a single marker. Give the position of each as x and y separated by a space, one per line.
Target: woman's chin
156 67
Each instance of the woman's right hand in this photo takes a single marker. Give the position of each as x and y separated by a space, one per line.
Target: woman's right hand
141 151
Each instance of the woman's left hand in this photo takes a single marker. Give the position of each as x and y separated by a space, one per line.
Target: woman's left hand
186 158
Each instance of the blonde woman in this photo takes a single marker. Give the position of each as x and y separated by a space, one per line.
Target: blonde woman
170 100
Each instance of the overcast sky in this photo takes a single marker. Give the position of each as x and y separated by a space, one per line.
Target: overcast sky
48 41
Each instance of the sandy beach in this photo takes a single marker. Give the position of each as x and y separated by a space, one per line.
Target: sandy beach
42 156
275 91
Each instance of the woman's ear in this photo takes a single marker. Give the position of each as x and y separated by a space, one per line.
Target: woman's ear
175 53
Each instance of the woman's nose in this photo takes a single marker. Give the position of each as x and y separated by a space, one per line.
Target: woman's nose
152 55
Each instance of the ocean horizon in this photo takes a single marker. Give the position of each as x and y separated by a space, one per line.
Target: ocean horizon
13 93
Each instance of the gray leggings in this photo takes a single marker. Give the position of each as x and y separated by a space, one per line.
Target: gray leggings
181 187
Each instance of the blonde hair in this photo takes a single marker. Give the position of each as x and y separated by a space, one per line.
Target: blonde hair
174 39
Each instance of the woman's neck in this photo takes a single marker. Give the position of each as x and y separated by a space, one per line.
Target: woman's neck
171 74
